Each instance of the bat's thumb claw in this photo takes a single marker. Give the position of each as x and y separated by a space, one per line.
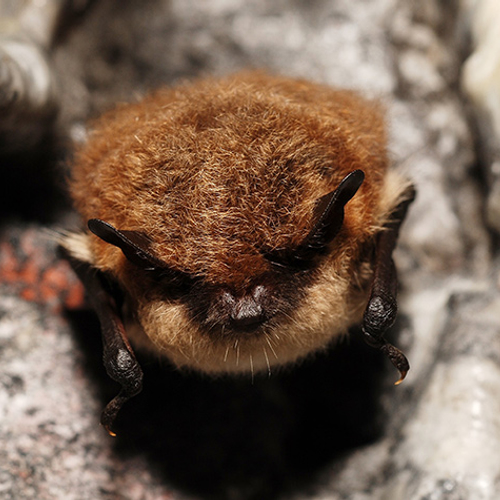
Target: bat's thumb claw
402 376
398 359
109 431
109 414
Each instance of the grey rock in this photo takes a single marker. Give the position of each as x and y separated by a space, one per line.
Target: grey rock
434 437
481 82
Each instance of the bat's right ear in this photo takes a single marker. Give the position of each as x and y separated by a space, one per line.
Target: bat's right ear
133 244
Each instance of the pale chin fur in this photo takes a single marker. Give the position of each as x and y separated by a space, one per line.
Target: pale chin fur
320 318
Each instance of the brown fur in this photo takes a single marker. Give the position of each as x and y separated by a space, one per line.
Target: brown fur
217 172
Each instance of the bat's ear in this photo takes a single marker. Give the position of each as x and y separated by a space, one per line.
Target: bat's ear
328 217
133 244
329 211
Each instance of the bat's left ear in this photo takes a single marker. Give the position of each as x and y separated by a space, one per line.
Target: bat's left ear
133 244
329 211
328 217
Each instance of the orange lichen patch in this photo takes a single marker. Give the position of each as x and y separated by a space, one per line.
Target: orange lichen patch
75 296
29 294
30 268
8 269
56 278
29 272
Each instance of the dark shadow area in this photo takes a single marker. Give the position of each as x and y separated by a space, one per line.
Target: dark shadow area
231 438
33 184
71 16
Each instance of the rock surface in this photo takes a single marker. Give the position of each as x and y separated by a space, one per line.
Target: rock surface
322 430
481 82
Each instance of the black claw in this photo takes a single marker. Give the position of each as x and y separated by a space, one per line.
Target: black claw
398 359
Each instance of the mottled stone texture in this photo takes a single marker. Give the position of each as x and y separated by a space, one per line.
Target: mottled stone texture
481 82
328 429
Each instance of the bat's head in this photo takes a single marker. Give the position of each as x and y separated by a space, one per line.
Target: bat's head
269 305
236 217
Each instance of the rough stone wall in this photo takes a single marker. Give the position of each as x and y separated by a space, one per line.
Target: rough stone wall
325 429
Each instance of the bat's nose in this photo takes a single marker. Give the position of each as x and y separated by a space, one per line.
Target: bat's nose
247 314
247 311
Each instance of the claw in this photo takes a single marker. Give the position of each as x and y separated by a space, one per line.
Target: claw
108 415
398 359
109 431
402 376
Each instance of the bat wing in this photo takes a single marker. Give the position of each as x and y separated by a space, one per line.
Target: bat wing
118 357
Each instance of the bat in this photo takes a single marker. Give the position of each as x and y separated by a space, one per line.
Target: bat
237 224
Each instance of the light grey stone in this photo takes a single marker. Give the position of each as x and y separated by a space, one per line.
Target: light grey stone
439 431
481 82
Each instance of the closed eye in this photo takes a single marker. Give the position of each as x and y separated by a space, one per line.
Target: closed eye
172 281
288 261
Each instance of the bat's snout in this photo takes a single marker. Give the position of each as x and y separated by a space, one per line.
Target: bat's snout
246 312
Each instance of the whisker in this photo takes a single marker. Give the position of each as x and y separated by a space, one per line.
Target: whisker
226 354
291 318
267 361
251 366
268 340
198 316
